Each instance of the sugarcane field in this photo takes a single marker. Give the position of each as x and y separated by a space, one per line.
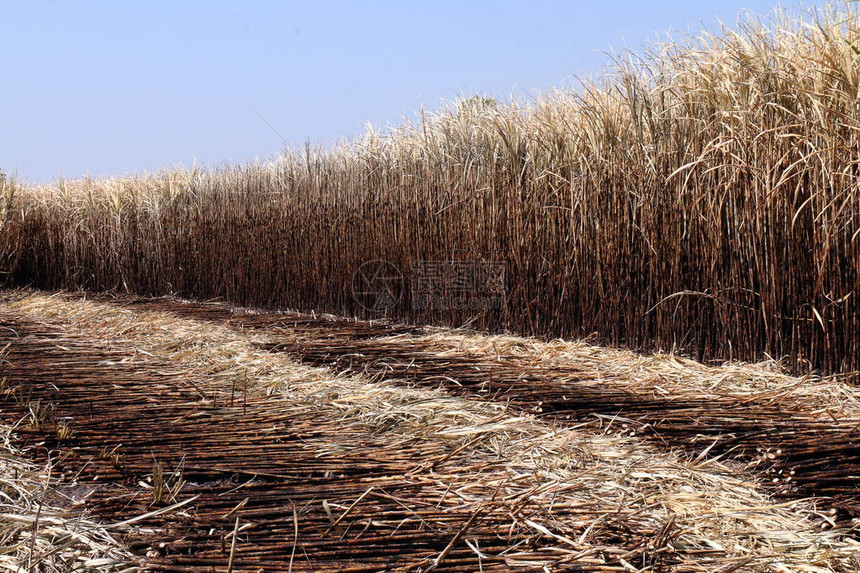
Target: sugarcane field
604 326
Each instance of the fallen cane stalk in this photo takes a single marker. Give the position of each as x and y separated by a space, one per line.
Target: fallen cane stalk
38 516
295 538
151 513
233 546
351 506
456 538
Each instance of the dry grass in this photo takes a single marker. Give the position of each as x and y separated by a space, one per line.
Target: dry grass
702 196
10 246
659 374
616 482
42 527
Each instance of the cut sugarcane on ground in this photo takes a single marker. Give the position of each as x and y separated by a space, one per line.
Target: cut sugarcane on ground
287 465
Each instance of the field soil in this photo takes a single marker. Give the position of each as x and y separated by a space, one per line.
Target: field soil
214 438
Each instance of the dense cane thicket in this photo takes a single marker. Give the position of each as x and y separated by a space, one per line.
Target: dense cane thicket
701 197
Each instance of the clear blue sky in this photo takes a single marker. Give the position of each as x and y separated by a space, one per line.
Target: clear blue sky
108 88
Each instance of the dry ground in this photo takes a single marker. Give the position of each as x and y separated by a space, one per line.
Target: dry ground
199 437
